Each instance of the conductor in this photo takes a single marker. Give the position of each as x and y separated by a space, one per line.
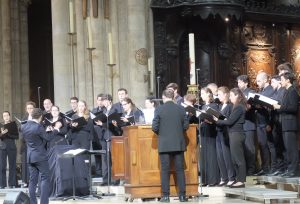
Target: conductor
36 137
170 123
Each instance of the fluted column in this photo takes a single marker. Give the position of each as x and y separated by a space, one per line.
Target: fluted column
133 75
62 67
5 52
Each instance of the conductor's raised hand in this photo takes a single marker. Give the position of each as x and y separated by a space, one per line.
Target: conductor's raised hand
74 124
58 125
124 119
98 122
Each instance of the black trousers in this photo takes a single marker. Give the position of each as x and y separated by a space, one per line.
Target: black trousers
106 166
290 140
250 151
36 169
237 141
165 164
224 159
263 145
11 154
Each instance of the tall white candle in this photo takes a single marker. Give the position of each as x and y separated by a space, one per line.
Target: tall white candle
151 71
71 16
89 28
192 58
110 49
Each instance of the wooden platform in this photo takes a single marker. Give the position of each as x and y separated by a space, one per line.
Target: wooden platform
280 181
262 193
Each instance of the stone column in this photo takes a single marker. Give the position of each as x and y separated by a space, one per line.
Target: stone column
5 52
134 74
62 58
19 53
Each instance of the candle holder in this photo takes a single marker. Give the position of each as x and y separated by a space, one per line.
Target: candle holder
111 74
90 50
72 44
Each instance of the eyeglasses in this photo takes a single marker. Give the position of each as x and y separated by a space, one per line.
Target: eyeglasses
124 104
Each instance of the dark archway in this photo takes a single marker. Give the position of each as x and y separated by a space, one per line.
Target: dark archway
40 49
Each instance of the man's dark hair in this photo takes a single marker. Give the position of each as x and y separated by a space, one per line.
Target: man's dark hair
36 113
168 93
6 112
243 78
106 97
288 75
287 67
276 77
174 86
123 89
74 98
100 95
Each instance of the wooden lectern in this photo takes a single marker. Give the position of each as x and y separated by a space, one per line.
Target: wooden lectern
142 166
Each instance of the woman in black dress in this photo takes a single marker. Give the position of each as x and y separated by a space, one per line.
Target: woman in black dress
209 167
236 135
58 137
82 135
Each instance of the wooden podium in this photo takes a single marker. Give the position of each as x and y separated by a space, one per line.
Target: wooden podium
142 166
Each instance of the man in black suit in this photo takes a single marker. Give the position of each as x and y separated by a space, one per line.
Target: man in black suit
98 130
169 123
122 93
36 137
288 111
263 123
105 132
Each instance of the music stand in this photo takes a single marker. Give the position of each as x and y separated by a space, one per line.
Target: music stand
70 154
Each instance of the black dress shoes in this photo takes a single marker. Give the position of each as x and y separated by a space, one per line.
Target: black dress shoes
276 173
289 175
260 173
165 199
183 199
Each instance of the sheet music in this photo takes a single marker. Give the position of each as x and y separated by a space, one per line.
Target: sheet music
263 98
92 115
74 151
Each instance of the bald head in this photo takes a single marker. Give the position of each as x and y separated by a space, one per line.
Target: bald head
262 80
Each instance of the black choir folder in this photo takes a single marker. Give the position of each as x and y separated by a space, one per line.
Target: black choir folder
48 122
258 99
80 120
215 113
209 114
11 127
103 118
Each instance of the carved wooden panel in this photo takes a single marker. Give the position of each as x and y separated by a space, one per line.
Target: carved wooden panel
259 60
295 52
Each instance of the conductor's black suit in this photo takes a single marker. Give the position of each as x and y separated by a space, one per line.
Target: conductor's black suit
170 123
36 138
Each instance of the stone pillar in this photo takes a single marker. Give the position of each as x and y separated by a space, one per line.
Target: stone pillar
5 61
19 53
133 74
62 59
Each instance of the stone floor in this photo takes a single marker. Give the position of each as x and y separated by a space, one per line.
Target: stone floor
216 196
